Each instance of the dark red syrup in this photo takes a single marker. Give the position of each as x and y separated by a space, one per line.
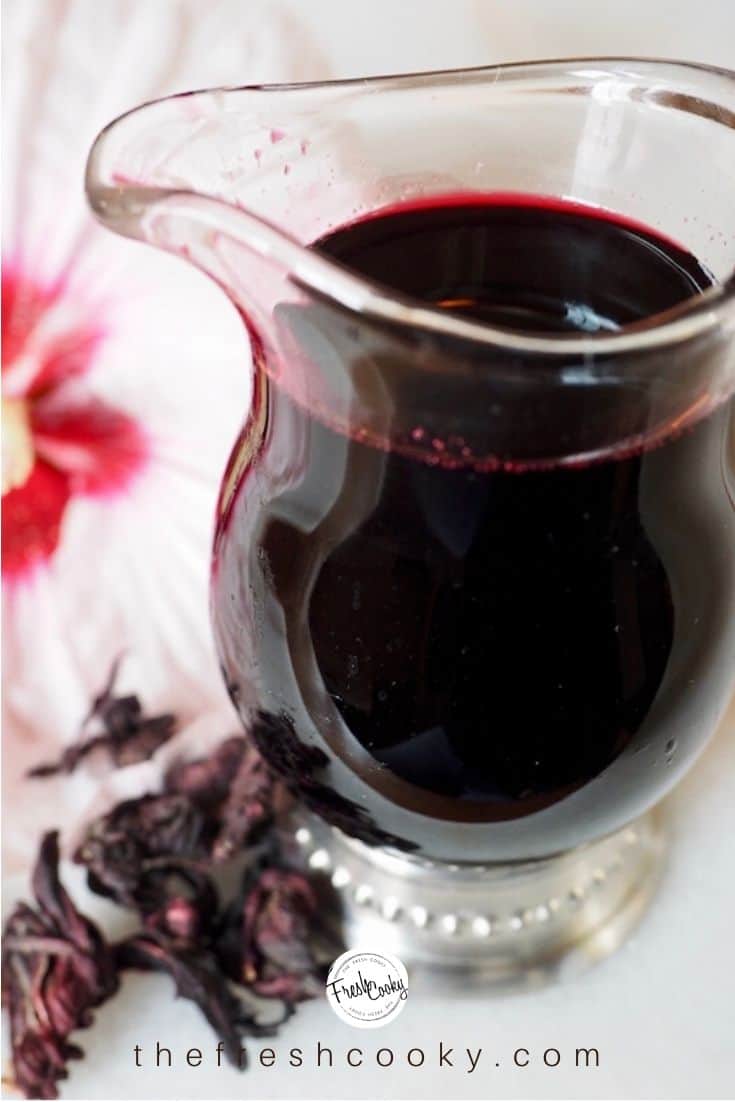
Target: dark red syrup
493 639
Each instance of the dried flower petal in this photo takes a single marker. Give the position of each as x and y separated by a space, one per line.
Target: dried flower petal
265 940
121 850
57 968
179 903
197 977
234 785
154 855
248 806
179 918
127 736
207 780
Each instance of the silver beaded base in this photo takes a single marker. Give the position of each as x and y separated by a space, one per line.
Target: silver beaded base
512 925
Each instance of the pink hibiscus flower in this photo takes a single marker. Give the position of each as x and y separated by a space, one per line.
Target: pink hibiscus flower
58 440
125 379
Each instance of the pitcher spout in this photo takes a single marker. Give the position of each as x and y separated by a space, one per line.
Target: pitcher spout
247 257
244 183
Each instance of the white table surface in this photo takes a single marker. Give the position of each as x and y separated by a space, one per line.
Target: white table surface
661 1010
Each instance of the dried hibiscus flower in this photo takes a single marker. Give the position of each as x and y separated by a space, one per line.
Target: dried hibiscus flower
57 968
125 850
210 809
117 726
157 855
265 941
179 903
236 789
197 977
207 780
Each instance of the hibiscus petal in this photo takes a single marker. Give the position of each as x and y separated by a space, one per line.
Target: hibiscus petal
23 305
44 345
31 519
131 570
65 357
100 448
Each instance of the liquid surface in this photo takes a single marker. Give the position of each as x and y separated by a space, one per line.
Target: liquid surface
466 648
526 264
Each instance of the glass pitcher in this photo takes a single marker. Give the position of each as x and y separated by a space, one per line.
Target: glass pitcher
473 577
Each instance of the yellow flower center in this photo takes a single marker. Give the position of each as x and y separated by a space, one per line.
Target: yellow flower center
17 443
